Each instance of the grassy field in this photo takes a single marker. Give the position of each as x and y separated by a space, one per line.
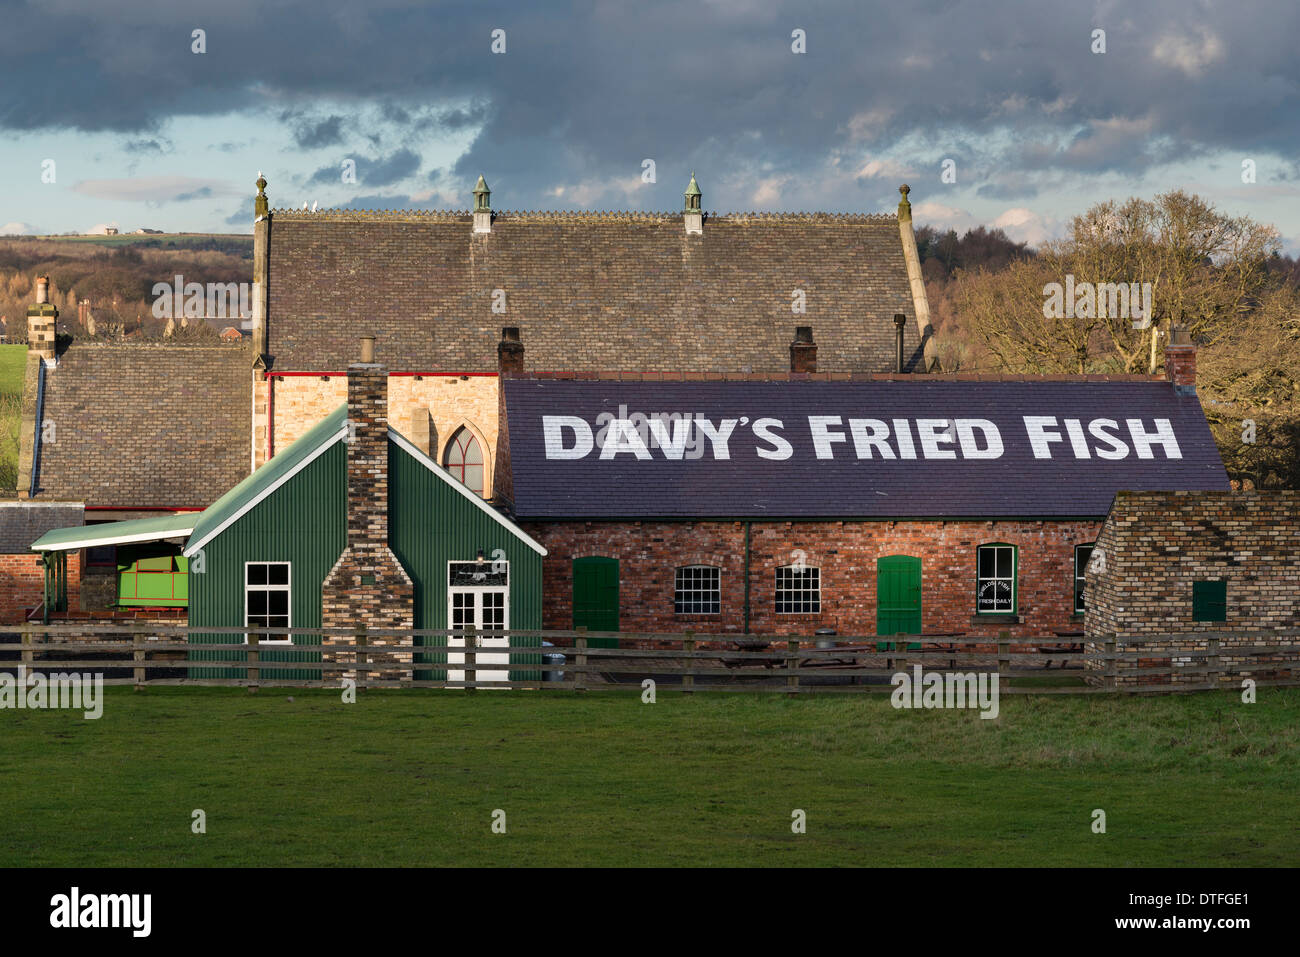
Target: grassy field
404 778
13 359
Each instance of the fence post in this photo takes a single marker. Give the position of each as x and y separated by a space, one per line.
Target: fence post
254 656
471 671
688 677
137 655
361 657
580 660
1216 674
791 664
25 657
1112 664
1004 659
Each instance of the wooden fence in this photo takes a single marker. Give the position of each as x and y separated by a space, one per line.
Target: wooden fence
164 655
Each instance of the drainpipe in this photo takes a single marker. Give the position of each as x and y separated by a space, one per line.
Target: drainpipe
900 320
747 524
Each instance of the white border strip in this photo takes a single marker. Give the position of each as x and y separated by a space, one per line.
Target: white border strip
338 436
479 503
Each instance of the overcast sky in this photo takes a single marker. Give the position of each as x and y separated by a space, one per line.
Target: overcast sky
138 129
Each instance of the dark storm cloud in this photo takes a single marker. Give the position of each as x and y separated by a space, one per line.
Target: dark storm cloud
372 171
585 92
310 135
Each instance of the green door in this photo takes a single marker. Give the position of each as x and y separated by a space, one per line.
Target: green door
595 597
898 598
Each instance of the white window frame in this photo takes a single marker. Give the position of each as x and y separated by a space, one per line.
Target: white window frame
1079 577
696 591
1015 577
480 589
287 588
489 665
777 590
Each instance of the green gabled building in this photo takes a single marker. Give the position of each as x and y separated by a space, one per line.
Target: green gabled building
349 525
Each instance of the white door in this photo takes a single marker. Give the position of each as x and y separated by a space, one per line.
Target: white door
481 609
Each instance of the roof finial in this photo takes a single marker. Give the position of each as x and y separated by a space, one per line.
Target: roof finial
904 207
482 195
260 205
693 195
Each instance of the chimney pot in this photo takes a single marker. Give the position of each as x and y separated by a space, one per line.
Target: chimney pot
1180 361
42 289
368 349
803 351
510 353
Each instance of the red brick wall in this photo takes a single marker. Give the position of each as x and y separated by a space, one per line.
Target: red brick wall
846 553
22 584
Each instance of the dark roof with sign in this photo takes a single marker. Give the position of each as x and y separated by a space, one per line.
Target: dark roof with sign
746 485
589 291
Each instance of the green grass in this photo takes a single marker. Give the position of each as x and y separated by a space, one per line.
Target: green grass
412 778
13 362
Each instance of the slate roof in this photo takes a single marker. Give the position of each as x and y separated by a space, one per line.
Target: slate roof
598 291
1015 484
22 523
140 425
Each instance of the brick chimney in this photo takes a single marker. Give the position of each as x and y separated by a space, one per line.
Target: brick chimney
510 365
510 353
41 317
803 351
1180 361
367 585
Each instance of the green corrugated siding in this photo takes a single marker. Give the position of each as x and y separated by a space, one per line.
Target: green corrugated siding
304 523
431 524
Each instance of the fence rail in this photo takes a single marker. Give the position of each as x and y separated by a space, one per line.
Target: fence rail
385 658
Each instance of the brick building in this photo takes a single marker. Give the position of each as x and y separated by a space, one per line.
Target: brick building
1183 564
150 430
870 504
687 292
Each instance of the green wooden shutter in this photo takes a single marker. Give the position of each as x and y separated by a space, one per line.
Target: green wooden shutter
1210 601
898 597
595 597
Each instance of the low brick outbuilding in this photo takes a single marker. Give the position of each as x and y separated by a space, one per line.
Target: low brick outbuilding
1181 565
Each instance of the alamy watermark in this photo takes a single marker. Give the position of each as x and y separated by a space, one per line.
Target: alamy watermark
940 689
63 690
1101 300
194 300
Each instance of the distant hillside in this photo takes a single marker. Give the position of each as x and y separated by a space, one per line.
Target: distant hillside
116 273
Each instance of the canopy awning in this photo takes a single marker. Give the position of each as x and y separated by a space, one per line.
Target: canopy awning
117 533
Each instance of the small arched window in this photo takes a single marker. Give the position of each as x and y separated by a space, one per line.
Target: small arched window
464 459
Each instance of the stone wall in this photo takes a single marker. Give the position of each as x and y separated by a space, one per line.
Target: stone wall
446 401
1155 545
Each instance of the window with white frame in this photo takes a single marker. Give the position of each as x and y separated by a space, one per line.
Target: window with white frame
798 590
266 598
995 585
1082 555
697 590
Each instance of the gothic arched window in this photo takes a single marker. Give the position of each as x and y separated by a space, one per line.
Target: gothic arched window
464 459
